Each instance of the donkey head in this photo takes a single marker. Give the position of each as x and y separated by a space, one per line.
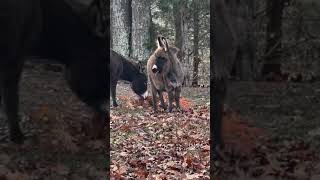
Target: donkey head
163 53
139 82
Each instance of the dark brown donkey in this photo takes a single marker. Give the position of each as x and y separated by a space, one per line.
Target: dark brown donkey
165 74
127 70
50 29
223 48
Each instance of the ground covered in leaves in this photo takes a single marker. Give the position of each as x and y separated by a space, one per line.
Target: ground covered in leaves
145 145
54 121
271 132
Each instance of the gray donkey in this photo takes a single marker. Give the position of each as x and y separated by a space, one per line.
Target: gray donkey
165 74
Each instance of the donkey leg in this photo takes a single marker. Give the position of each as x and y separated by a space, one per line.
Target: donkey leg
113 94
154 98
170 96
162 104
98 125
10 97
177 97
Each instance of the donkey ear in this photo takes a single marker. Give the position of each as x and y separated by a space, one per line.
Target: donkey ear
140 66
159 42
166 46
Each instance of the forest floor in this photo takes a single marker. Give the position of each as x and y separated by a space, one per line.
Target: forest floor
147 145
272 131
54 121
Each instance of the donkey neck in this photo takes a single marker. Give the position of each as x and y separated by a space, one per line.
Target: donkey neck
172 61
66 35
129 72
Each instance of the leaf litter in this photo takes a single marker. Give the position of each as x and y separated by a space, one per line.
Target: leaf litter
54 120
251 153
147 145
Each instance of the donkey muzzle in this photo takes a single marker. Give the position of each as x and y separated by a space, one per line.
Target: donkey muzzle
154 68
145 95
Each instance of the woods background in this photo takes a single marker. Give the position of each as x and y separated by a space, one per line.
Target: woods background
136 23
272 102
279 39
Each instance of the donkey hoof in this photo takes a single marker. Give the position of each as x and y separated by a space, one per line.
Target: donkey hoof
163 107
179 109
17 137
155 110
170 110
154 113
115 105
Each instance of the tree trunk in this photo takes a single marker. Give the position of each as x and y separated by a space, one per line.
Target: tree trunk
180 10
141 29
121 26
196 59
242 21
223 42
111 30
272 62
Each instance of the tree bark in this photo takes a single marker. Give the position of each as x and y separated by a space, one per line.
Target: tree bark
120 26
180 11
141 29
242 22
180 14
196 59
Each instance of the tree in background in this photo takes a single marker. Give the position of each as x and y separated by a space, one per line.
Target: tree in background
196 58
141 29
278 39
273 52
131 28
185 25
121 26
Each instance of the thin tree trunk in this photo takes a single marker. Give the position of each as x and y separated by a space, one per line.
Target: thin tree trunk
242 22
180 10
196 59
111 31
274 35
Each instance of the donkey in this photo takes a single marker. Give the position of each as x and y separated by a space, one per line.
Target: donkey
165 74
50 29
126 70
